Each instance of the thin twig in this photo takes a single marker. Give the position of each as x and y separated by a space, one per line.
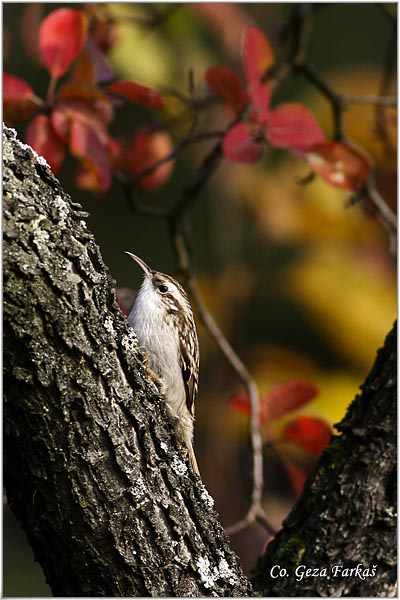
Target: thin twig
145 209
187 141
300 26
204 172
384 212
209 322
375 100
335 100
389 68
298 29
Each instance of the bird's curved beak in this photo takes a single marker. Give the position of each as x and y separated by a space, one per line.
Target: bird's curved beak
141 263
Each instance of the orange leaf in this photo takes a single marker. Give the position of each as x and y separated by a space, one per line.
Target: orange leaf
91 67
288 396
292 125
79 91
87 144
19 100
147 148
41 136
137 93
87 178
310 433
62 37
226 84
342 165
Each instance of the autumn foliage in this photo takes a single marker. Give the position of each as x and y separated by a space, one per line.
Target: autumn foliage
289 125
78 112
307 433
76 116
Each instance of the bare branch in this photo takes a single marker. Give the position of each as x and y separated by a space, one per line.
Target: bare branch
255 511
387 74
184 143
378 100
335 100
384 212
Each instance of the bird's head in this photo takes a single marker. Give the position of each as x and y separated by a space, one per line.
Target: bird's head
159 290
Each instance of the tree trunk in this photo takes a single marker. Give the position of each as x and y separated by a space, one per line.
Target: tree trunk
92 471
95 476
346 516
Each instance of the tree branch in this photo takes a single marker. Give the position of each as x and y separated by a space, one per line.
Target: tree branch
255 510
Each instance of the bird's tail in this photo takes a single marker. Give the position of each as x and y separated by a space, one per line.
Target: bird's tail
192 457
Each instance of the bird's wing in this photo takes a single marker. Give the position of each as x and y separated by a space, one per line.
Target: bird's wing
190 357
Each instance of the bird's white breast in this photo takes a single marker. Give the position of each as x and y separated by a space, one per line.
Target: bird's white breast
157 333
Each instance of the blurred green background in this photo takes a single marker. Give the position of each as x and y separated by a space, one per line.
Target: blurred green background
301 285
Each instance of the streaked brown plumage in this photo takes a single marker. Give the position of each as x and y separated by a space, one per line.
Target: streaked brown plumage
164 324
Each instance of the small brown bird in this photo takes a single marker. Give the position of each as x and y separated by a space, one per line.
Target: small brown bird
164 324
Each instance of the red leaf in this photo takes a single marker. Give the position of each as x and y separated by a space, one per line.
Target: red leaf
96 114
241 145
228 86
40 135
258 58
340 164
280 400
18 99
288 396
15 88
146 149
310 433
241 403
292 125
260 96
61 122
296 475
62 37
137 93
87 144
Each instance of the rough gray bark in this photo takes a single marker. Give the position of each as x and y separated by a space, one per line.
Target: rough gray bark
101 487
91 468
346 515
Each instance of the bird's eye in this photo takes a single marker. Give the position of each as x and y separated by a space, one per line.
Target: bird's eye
163 288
